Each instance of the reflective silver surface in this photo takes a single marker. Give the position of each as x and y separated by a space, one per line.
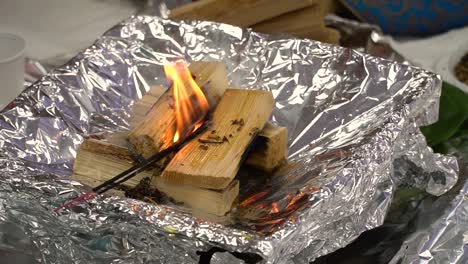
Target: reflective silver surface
441 238
441 228
351 119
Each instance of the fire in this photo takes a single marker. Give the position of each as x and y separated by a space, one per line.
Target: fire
190 104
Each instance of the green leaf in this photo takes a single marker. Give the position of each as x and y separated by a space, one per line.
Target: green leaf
170 230
248 237
453 113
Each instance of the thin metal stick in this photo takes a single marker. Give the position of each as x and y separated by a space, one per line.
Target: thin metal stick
118 179
129 173
133 171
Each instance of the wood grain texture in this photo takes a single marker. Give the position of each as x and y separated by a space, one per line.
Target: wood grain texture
270 148
298 23
330 35
98 161
156 130
304 23
216 202
139 110
239 116
330 6
241 13
141 107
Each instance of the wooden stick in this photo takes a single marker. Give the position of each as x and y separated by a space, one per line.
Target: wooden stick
330 6
142 106
304 23
216 202
299 23
98 161
270 148
213 160
241 13
139 110
330 35
265 157
157 129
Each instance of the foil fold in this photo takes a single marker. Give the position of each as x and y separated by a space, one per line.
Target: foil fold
440 230
353 121
442 239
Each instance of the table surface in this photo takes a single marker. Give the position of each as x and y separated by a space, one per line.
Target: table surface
58 29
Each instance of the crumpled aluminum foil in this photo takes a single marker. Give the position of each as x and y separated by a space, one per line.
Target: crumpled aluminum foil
441 229
351 118
440 240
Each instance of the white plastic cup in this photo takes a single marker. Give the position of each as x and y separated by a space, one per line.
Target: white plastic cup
12 49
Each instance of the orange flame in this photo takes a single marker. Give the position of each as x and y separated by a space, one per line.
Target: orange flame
191 105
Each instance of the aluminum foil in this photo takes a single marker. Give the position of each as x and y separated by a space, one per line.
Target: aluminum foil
440 239
441 231
351 118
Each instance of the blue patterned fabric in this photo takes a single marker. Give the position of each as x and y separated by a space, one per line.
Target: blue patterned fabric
412 17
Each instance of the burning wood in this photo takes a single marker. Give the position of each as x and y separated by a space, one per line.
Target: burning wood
217 165
181 109
201 176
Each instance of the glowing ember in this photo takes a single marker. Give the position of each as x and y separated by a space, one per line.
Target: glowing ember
274 208
253 198
266 217
294 200
191 105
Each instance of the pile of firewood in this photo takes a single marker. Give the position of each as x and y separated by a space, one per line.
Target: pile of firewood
300 18
201 176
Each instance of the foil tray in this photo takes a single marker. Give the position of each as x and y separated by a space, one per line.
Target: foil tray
441 228
440 223
353 121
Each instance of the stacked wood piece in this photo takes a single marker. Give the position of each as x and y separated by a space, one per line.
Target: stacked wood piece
98 161
213 159
202 175
300 18
304 23
156 131
270 148
240 13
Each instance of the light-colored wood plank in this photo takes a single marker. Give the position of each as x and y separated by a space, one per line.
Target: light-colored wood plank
216 202
139 110
142 106
98 161
329 35
213 158
241 13
304 23
157 129
330 6
270 148
299 23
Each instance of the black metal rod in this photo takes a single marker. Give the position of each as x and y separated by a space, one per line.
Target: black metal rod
135 170
131 172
